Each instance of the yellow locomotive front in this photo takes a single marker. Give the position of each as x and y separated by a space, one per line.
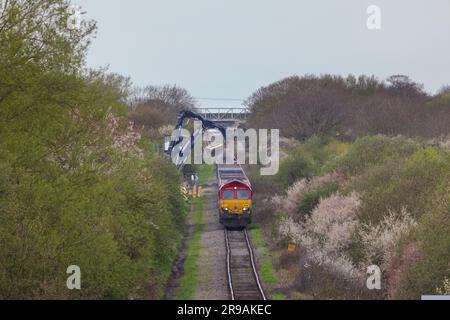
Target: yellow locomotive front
235 197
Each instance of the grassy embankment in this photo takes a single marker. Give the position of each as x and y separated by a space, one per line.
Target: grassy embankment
389 201
266 267
267 271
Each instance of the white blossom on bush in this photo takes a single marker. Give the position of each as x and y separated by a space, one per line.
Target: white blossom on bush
445 144
294 194
165 130
334 221
125 141
327 232
290 229
297 191
380 241
442 142
445 288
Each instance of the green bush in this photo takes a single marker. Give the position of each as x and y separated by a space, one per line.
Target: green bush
123 233
417 181
311 199
400 183
294 168
310 159
77 186
427 274
370 151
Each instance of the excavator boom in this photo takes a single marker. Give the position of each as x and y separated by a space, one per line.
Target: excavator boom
206 125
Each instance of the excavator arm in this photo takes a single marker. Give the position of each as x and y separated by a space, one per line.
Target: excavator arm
206 125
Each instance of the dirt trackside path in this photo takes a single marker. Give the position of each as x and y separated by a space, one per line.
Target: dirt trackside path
200 268
212 280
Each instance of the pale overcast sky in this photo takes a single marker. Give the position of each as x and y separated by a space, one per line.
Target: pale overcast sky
230 48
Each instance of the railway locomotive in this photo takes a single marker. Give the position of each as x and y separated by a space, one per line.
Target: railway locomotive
235 196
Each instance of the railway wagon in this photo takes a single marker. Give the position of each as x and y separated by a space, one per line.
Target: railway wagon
235 196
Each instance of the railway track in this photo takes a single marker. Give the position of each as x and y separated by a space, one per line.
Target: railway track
243 279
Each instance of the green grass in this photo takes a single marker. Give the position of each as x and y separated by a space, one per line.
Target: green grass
205 173
279 296
187 284
267 270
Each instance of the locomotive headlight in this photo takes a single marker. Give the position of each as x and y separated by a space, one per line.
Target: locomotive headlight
245 209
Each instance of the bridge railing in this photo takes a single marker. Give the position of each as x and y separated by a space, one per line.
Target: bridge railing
224 114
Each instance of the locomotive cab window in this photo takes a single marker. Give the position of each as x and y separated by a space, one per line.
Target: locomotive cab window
243 194
228 195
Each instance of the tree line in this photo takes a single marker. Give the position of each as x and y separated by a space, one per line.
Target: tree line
304 106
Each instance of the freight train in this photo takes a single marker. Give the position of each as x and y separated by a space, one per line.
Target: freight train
235 191
235 196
